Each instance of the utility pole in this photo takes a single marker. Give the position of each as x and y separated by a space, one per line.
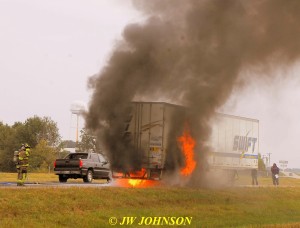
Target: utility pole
269 155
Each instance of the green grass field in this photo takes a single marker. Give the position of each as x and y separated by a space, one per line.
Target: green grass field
266 206
38 178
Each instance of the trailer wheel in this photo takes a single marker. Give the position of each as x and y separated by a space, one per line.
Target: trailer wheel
62 178
89 177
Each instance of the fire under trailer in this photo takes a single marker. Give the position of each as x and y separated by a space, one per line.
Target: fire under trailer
234 140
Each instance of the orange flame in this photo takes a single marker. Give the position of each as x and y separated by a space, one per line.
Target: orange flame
139 174
136 183
134 174
135 179
187 147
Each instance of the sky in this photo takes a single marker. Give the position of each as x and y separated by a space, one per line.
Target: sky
276 104
49 49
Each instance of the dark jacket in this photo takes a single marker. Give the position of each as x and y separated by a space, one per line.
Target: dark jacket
274 169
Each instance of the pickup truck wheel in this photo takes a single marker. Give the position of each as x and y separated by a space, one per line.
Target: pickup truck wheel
89 177
62 179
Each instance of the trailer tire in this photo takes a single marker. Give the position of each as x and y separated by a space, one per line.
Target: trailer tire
62 178
89 177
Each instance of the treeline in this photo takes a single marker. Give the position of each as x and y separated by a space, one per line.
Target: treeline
40 133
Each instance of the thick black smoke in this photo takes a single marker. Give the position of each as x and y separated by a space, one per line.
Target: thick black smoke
189 52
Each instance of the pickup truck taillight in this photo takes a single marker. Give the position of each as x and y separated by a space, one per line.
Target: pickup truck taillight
54 164
80 163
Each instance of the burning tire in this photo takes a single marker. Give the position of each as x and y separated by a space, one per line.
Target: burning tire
89 177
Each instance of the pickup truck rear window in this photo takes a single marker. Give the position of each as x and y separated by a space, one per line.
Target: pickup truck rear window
77 156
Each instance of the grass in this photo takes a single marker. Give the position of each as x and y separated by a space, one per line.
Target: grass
92 207
39 178
267 181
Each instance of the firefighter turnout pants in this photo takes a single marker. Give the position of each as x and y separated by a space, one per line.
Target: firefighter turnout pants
22 174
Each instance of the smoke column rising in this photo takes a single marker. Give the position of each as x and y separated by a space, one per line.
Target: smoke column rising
193 53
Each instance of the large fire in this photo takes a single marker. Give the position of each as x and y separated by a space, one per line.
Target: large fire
136 183
135 174
135 180
187 147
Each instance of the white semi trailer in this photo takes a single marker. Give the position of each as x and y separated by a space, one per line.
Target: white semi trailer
234 141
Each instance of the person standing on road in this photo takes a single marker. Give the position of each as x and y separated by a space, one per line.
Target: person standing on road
275 174
254 176
16 159
23 164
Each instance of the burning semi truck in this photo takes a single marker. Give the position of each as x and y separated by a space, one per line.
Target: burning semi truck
153 129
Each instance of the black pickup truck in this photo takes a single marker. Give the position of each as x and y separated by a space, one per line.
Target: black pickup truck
88 166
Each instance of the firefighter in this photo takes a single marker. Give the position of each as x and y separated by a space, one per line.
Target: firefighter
16 157
23 164
27 149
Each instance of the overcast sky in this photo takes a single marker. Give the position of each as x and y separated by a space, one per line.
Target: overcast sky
48 50
276 104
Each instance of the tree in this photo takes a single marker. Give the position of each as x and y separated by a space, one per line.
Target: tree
32 131
88 141
261 164
7 145
36 129
68 144
42 156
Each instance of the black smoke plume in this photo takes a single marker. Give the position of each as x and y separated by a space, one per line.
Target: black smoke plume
189 52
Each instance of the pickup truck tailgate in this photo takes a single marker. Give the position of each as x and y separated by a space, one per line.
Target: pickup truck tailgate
62 164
